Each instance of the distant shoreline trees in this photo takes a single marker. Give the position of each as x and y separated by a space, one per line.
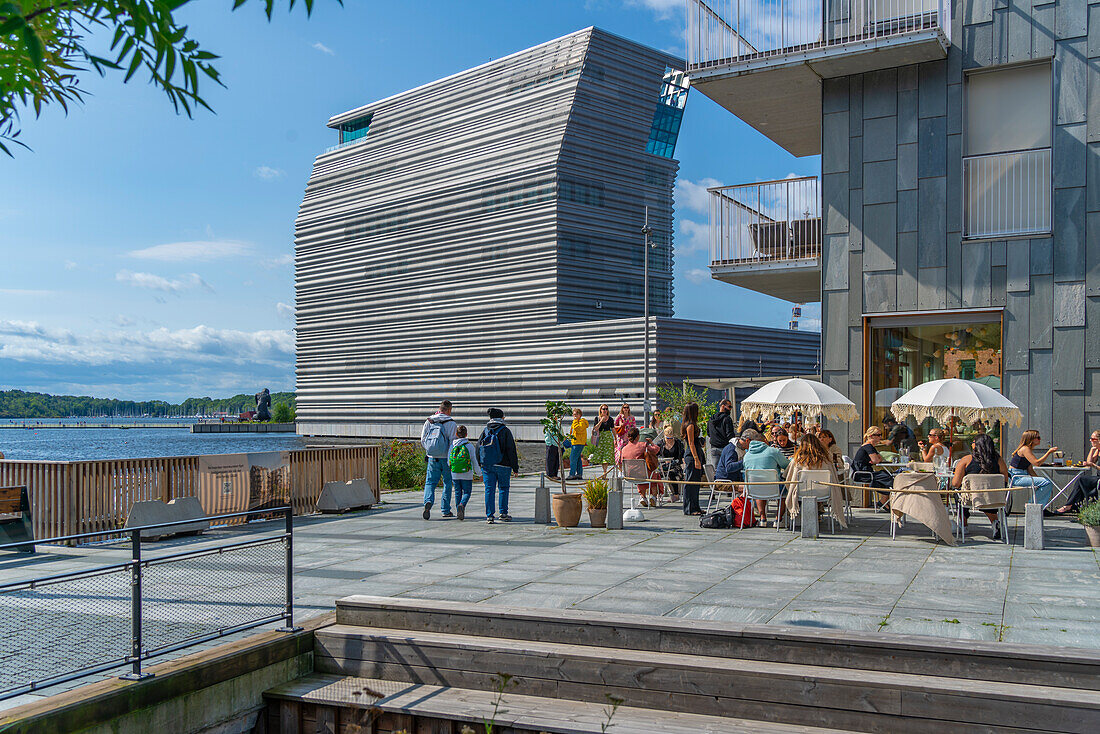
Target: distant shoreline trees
22 404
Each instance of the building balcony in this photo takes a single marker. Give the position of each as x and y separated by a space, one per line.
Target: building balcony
763 60
1007 194
767 237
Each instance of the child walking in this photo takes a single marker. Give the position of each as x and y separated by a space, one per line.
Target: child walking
463 465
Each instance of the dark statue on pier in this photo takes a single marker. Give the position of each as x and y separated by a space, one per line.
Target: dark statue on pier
263 406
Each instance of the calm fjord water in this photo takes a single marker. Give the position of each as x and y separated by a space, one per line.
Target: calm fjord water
71 444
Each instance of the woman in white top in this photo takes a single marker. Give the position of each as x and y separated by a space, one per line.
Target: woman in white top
934 451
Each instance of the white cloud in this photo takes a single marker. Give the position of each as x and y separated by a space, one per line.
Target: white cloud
324 49
199 251
697 275
149 281
693 237
663 8
267 173
25 292
285 311
287 258
70 265
693 195
30 341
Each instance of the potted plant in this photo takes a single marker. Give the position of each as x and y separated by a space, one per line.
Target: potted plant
566 505
595 497
1089 516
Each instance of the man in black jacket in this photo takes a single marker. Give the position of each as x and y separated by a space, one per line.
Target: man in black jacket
499 463
720 430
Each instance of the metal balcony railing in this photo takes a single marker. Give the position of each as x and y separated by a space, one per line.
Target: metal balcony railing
1007 194
722 32
770 221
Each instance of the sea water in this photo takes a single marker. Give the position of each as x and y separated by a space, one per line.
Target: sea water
30 440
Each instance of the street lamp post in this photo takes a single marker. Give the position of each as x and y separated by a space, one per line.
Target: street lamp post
647 231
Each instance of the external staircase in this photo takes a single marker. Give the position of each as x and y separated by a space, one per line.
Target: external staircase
429 666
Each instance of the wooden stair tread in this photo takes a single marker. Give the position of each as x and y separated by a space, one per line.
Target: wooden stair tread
646 660
529 712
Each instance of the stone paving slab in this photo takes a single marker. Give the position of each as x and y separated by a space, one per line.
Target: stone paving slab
857 579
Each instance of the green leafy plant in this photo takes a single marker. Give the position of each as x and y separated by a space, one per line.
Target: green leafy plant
595 494
1089 514
401 465
675 398
283 413
45 52
613 704
501 683
556 410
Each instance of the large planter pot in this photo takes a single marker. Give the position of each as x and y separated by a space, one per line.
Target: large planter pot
567 509
598 517
1093 533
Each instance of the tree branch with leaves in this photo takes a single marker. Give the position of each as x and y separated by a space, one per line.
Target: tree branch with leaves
45 53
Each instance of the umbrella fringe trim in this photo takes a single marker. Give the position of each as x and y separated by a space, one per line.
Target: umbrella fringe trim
846 413
942 414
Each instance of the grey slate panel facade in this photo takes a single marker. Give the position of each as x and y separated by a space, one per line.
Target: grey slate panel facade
482 243
910 121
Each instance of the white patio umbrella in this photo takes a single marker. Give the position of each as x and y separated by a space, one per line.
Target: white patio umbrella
808 397
885 397
971 401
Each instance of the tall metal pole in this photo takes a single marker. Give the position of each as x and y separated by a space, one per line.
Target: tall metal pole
647 231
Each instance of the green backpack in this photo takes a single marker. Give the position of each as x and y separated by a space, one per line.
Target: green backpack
459 459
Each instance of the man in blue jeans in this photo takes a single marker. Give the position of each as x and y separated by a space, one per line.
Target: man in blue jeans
436 437
496 452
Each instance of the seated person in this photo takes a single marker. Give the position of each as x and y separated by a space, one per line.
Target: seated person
899 436
864 461
984 459
762 457
671 456
1022 463
1084 487
646 451
783 442
730 465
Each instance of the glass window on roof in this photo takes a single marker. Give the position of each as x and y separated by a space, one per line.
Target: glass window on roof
354 129
668 115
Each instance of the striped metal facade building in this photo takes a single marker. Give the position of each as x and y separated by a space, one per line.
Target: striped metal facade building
478 238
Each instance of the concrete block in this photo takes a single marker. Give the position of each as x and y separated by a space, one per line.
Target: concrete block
542 502
156 512
615 505
1033 526
809 518
343 496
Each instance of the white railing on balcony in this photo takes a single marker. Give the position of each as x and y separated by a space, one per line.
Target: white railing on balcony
1007 194
722 32
765 222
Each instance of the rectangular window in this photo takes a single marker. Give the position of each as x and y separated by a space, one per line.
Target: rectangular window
1007 168
354 129
904 352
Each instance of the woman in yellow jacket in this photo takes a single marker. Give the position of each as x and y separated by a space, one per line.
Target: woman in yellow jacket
578 434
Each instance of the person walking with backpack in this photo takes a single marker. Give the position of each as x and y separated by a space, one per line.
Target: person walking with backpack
496 452
437 436
463 465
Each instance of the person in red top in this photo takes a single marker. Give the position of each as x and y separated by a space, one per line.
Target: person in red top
635 449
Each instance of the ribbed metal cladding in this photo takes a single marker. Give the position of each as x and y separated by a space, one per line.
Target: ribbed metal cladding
481 242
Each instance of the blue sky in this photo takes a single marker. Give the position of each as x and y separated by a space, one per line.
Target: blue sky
147 255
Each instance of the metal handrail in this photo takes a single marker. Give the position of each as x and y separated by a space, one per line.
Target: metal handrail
136 565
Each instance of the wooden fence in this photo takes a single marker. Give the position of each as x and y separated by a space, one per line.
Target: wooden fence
71 497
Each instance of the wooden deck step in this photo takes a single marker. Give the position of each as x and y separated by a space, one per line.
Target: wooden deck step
966 659
344 702
792 693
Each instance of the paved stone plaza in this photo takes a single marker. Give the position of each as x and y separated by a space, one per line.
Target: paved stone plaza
858 580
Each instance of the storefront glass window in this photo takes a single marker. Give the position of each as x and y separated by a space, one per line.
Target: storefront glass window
905 352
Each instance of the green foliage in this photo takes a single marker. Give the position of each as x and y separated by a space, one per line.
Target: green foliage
613 704
44 53
595 494
1089 514
556 410
501 683
282 413
401 465
674 398
20 404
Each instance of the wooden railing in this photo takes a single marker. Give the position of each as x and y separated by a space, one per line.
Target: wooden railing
72 497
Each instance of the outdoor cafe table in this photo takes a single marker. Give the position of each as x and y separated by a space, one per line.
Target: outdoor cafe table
926 507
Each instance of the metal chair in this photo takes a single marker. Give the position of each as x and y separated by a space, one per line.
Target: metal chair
637 473
982 483
717 489
766 491
810 485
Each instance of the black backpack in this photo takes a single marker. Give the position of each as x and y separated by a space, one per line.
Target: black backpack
718 520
